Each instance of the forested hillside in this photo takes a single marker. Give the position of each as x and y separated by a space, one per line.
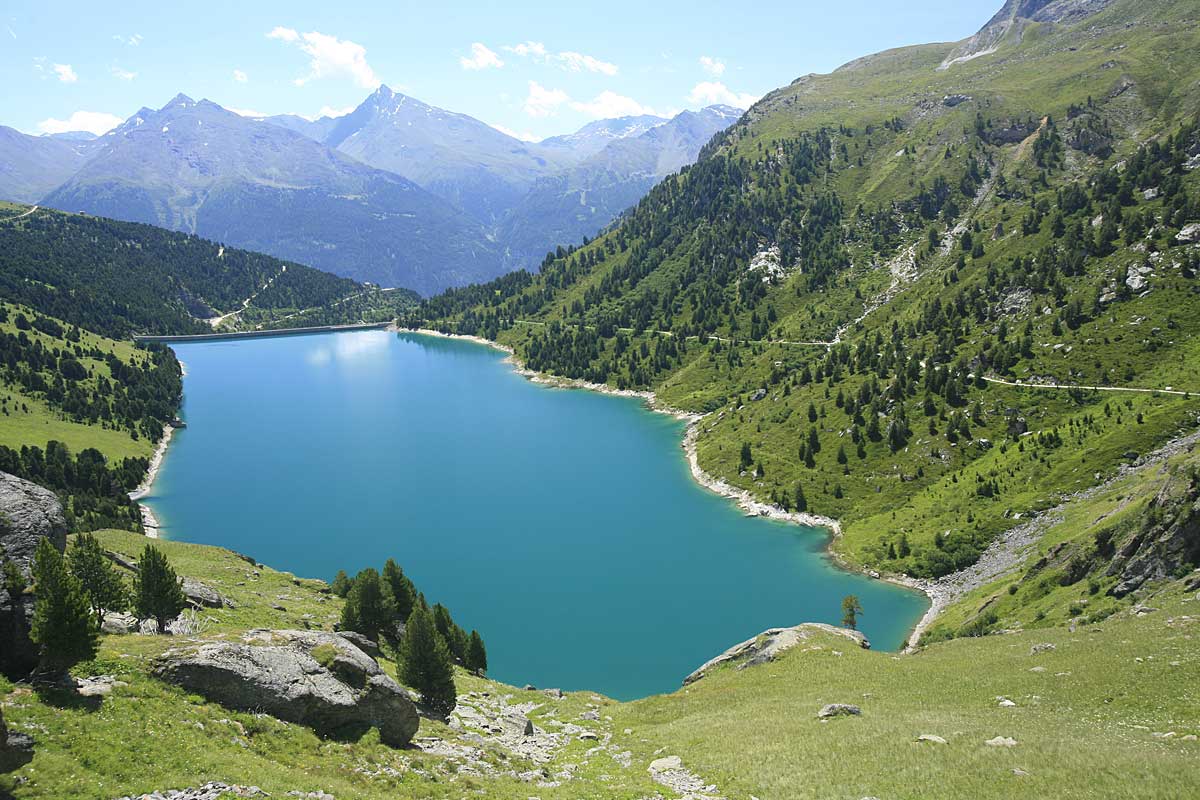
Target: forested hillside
863 283
124 278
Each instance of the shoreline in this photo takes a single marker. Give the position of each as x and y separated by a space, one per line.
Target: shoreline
937 595
149 521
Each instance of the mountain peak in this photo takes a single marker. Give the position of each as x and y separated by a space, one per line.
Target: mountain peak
180 100
384 91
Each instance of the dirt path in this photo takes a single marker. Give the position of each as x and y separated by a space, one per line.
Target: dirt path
216 321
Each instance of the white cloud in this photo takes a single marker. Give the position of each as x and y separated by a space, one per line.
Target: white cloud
65 73
609 104
575 62
712 66
123 74
330 57
568 60
712 92
96 122
524 137
11 32
525 49
543 102
248 113
132 40
240 76
329 111
481 58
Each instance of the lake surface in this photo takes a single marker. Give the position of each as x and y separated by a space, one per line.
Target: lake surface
563 524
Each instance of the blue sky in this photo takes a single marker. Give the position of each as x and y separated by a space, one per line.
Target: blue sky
532 68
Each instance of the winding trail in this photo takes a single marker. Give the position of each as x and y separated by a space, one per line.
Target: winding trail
26 214
216 321
1070 386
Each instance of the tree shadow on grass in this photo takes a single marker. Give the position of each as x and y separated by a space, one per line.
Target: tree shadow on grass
66 698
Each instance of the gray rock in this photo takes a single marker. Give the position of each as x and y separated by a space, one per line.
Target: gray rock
97 685
931 738
368 646
1190 233
313 678
1044 647
1001 741
839 710
119 622
201 595
556 694
16 749
29 514
952 100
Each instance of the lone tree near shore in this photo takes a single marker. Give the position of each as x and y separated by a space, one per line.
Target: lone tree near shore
851 608
99 577
476 654
157 594
425 662
63 625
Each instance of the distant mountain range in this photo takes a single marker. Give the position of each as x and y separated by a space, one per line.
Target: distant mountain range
397 192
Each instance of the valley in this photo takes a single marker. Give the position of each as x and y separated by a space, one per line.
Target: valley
678 413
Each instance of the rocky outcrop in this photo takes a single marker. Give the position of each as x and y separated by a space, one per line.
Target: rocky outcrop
28 513
768 646
1013 18
312 678
16 749
1167 543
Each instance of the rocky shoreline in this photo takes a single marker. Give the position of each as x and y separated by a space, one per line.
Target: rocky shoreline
938 594
149 521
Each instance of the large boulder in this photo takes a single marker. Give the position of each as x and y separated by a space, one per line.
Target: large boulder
28 513
313 678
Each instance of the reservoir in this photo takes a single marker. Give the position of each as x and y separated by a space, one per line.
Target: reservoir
563 524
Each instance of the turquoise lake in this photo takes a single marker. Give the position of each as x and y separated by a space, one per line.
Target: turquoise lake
563 524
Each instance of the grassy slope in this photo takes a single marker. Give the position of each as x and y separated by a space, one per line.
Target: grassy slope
41 423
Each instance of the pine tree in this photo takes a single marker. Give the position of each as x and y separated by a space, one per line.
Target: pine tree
341 583
369 608
100 579
801 501
476 654
63 624
454 636
11 576
403 591
156 590
425 663
851 608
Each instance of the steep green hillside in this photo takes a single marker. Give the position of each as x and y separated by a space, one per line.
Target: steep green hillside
846 281
124 278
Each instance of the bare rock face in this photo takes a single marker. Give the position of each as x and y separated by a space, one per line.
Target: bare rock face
313 678
1161 550
28 513
1013 17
